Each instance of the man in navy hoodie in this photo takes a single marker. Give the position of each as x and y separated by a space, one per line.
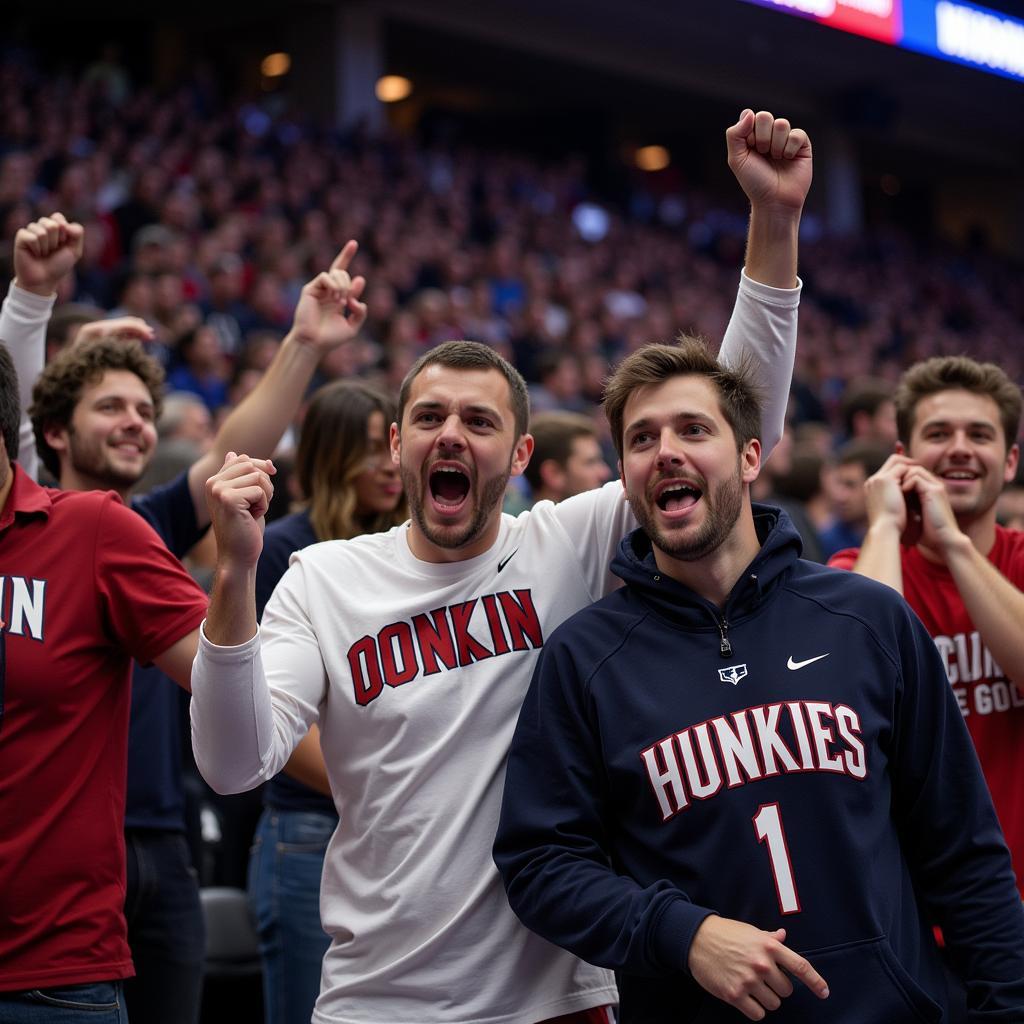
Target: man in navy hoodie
742 780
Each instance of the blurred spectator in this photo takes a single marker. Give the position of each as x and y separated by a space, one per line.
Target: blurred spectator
561 384
869 413
567 457
203 367
853 464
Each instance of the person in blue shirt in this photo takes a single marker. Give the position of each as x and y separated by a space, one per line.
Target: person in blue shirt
742 780
350 486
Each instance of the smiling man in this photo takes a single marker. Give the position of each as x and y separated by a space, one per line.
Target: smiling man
933 536
413 650
740 755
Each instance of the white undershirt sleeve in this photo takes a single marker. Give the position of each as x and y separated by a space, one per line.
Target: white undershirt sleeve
23 320
763 328
232 717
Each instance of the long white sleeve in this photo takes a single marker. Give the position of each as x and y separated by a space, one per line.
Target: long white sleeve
232 718
763 328
23 320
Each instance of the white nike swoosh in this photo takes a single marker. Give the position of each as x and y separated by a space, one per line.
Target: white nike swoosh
794 665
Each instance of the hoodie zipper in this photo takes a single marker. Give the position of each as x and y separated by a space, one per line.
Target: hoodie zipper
725 648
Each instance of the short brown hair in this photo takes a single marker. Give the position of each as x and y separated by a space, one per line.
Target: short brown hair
738 396
949 373
553 437
58 389
471 355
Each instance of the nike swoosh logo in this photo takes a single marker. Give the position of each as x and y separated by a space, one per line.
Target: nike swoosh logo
505 561
794 665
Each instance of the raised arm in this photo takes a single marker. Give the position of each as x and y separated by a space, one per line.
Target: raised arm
44 251
328 314
773 164
242 733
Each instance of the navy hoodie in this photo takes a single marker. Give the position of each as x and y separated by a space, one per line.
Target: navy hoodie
795 760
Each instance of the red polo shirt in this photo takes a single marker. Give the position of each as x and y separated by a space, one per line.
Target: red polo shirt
85 586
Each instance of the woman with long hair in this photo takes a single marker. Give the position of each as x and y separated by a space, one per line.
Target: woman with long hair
349 486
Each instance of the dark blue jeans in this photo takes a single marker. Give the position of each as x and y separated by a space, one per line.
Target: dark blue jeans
165 929
284 891
98 1002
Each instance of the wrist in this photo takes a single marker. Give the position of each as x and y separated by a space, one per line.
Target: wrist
776 216
45 291
885 528
233 573
955 544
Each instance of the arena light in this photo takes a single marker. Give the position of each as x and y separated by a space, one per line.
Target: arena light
652 158
392 88
954 30
274 65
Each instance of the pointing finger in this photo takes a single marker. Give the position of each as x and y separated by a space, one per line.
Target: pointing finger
344 258
802 970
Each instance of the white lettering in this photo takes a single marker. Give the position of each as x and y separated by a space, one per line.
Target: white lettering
27 607
848 724
946 650
700 790
983 699
980 37
737 749
662 781
766 722
823 736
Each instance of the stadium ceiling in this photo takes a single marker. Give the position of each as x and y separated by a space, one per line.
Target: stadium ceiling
733 52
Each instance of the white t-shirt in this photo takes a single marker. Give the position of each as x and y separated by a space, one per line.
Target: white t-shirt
415 673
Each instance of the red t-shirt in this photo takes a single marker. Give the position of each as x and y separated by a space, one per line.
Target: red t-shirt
992 706
85 586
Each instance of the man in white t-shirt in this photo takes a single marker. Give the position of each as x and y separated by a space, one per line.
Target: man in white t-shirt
413 650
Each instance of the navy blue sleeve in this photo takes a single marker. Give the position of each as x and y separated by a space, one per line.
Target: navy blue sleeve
950 833
270 568
551 845
169 509
292 533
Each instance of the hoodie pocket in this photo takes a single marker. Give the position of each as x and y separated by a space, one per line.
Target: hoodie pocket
867 985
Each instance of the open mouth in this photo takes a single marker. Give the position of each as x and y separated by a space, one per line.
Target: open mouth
449 487
677 497
960 475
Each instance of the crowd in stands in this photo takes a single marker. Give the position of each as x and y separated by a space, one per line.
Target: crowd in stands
204 217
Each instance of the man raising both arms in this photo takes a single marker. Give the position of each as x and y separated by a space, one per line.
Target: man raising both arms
413 650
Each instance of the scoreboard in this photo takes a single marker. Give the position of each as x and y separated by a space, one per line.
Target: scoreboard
953 30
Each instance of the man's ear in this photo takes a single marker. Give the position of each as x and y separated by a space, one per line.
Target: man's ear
1012 461
521 454
395 442
56 438
750 460
900 448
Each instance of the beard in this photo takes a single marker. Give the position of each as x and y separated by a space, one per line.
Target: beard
485 500
722 511
92 460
